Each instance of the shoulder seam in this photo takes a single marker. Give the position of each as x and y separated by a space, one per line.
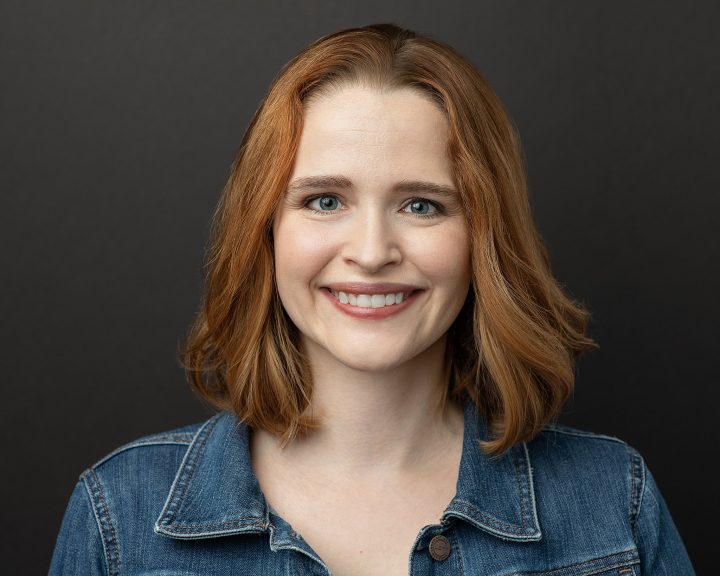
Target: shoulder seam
183 439
582 433
637 487
105 526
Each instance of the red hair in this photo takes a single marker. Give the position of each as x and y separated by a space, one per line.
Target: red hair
511 348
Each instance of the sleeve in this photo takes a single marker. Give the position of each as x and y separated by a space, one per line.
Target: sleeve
661 549
79 547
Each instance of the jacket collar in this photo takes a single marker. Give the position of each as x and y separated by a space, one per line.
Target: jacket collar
494 494
216 493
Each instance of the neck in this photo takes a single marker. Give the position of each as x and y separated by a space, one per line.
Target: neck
377 426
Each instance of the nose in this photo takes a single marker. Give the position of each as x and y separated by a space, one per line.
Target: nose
372 242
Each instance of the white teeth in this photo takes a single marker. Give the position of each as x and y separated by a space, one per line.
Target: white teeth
369 300
364 301
377 301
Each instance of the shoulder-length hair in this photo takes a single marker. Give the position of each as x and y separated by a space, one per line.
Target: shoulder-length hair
511 348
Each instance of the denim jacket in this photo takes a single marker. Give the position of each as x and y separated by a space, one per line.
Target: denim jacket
568 503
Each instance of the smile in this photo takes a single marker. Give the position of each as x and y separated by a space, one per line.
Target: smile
369 300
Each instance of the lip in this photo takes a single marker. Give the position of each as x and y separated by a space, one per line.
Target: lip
372 288
373 313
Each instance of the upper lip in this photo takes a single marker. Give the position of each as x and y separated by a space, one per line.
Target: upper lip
368 288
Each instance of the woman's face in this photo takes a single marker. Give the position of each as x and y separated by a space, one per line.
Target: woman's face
371 218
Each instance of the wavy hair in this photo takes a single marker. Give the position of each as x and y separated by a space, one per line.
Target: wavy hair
511 348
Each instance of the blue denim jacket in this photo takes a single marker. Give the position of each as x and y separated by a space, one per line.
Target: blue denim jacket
187 501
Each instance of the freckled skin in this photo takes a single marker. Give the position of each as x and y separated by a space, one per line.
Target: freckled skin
375 139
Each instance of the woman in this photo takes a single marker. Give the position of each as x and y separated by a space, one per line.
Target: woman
387 347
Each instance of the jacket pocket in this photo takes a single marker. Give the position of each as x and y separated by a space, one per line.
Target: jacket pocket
621 564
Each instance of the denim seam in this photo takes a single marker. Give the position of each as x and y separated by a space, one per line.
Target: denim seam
458 554
200 534
513 459
194 527
143 443
616 559
186 472
637 487
582 433
497 528
531 489
490 520
105 525
98 523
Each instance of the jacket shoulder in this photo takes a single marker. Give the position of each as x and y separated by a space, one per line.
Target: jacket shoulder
131 483
573 442
120 495
605 475
571 454
181 436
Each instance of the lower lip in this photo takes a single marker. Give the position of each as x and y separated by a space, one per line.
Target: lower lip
372 313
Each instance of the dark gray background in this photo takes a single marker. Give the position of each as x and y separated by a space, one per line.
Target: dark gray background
119 124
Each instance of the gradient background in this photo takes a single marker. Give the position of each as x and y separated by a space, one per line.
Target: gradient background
118 124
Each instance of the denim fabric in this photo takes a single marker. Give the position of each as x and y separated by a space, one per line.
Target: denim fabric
187 502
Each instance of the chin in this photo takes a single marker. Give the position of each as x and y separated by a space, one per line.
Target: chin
371 366
371 360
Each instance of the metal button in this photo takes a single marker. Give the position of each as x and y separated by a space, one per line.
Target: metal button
439 547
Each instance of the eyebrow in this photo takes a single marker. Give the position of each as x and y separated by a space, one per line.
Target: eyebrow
307 183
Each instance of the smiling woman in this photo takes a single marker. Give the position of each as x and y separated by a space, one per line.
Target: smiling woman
387 347
369 246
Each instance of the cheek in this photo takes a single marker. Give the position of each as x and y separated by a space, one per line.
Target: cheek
443 254
300 253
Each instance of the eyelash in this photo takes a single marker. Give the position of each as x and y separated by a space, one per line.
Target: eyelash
438 207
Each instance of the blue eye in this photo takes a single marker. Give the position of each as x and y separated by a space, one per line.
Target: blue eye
325 204
423 208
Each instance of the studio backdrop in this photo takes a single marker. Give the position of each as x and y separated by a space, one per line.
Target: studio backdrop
118 124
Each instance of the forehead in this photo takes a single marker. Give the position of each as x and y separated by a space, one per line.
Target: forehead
363 128
355 106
